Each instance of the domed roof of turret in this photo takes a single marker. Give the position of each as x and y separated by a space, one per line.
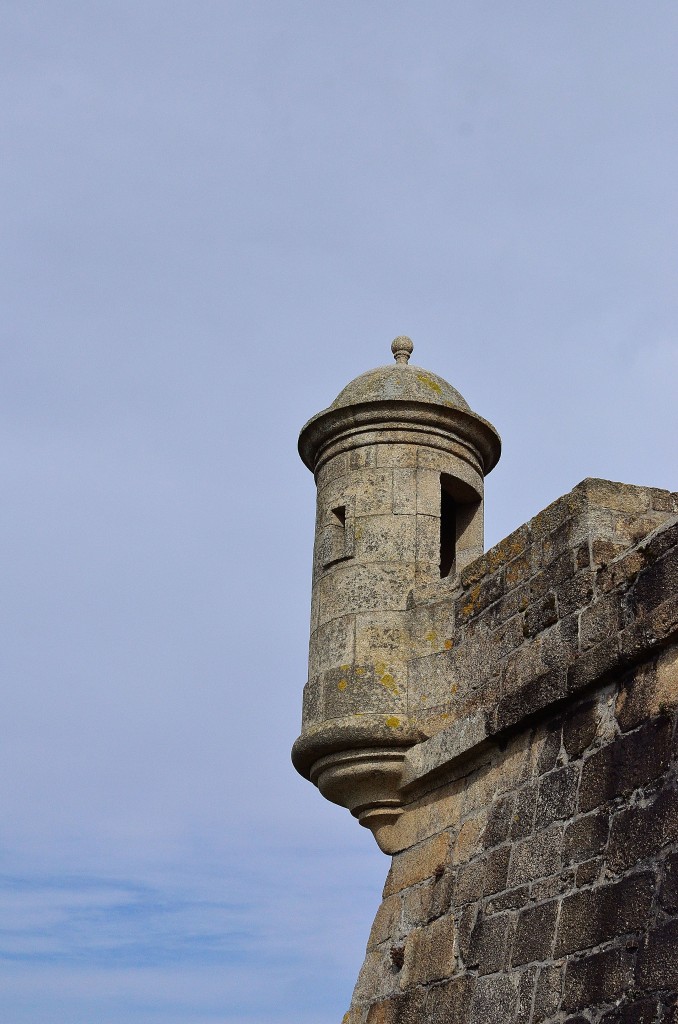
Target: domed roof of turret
404 395
400 382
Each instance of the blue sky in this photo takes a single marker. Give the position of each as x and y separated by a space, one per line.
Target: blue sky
214 215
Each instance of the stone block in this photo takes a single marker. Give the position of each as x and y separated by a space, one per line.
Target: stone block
377 979
404 1008
535 694
499 817
432 628
536 857
586 837
494 1000
382 640
657 965
350 588
515 602
482 877
649 691
668 893
429 953
527 981
374 493
542 614
333 644
641 1011
401 456
600 620
417 863
511 899
515 766
588 872
312 707
428 540
664 501
639 831
332 470
487 946
428 493
546 744
386 539
579 729
659 543
632 760
548 993
522 823
600 978
469 838
363 457
575 593
479 597
535 933
404 492
593 665
557 798
656 584
447 1002
553 886
432 682
361 690
597 915
387 922
620 497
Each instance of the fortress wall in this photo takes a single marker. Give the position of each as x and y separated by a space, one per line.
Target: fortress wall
545 611
536 877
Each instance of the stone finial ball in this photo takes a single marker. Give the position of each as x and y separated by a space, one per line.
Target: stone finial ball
402 347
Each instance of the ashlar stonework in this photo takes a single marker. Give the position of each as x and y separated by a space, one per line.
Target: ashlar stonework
505 722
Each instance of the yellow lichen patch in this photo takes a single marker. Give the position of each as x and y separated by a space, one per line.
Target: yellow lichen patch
430 382
473 595
342 684
360 671
503 552
431 636
393 722
344 668
454 687
449 644
380 668
389 682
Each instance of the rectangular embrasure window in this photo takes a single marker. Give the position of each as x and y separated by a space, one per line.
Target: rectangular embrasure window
339 514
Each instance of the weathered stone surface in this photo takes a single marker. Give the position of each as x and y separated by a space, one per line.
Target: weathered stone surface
534 934
592 917
596 979
535 838
429 953
417 863
631 761
657 960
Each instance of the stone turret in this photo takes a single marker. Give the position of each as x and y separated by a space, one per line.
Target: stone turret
399 460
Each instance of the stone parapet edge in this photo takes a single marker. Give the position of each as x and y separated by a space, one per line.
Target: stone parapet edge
447 752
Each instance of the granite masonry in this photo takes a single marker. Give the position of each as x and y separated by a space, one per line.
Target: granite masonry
505 722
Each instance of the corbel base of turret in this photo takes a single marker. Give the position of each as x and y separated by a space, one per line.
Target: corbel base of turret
367 782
